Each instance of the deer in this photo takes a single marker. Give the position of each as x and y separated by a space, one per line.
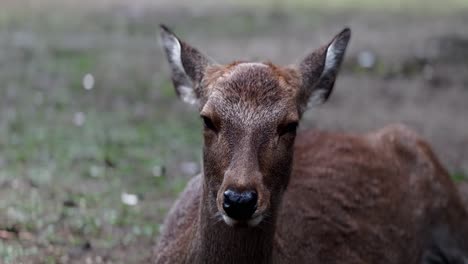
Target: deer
270 194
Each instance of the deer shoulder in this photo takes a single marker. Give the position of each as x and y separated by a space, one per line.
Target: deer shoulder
353 195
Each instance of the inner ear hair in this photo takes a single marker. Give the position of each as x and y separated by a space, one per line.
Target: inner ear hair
187 66
173 50
319 69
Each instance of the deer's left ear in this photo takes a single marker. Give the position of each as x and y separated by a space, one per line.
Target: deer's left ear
318 70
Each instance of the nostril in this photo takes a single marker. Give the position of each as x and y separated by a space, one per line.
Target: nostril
240 205
249 198
230 197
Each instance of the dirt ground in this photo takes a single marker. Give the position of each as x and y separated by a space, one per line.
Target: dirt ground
69 156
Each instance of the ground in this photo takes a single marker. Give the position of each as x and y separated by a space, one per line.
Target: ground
87 175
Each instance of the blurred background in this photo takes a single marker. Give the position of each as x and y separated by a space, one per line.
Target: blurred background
95 146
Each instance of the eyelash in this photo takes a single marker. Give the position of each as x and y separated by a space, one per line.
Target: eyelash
289 128
208 124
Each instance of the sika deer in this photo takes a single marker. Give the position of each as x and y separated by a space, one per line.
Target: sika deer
267 196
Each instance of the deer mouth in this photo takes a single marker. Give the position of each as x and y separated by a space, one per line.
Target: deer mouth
242 209
251 222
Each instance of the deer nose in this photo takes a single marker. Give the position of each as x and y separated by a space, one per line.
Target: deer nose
240 205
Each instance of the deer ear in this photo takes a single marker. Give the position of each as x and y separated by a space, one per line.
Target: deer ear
187 66
319 69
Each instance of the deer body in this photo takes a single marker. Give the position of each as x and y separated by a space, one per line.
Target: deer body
344 204
269 196
376 198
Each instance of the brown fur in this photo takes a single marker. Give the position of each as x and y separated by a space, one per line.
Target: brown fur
323 197
351 199
370 199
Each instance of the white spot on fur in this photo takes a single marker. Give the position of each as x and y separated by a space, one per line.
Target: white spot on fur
252 222
187 94
255 221
229 221
316 98
244 66
252 64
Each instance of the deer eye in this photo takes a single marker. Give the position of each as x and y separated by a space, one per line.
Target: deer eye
208 124
289 128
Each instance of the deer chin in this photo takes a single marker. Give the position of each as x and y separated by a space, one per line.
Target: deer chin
255 220
252 222
229 221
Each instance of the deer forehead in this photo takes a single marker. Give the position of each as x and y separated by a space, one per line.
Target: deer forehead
252 92
252 76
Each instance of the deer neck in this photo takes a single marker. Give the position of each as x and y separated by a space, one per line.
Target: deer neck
216 242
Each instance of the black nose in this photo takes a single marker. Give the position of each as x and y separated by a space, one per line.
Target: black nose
240 206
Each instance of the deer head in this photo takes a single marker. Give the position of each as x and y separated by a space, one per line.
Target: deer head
250 113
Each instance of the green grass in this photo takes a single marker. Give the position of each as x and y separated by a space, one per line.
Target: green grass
61 182
90 165
459 176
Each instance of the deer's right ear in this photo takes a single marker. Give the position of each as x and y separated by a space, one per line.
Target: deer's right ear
319 70
187 64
